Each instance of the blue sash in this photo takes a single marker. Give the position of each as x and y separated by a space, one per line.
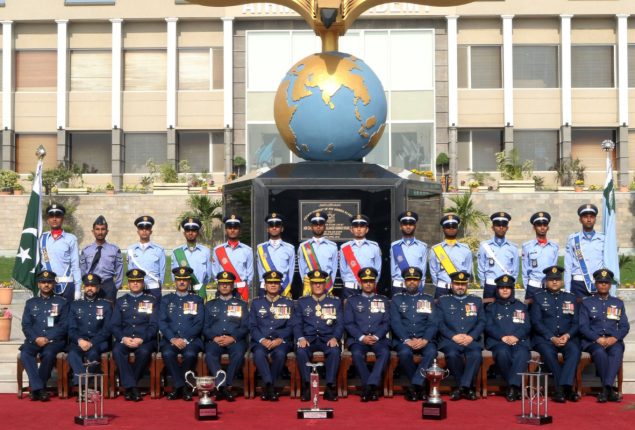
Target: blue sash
267 263
61 287
400 257
590 286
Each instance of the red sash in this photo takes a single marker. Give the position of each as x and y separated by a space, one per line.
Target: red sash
351 260
227 266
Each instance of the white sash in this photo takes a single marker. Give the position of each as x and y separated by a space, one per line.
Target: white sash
136 263
490 254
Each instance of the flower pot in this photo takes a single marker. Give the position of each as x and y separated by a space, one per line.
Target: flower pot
204 191
6 296
17 192
474 189
578 189
5 329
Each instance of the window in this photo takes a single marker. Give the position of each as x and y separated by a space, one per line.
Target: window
145 70
464 150
480 67
91 71
411 146
535 66
482 145
91 151
25 147
80 2
196 146
381 153
141 147
35 70
592 66
585 145
266 148
538 145
631 66
201 69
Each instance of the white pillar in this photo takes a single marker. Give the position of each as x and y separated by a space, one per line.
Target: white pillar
7 75
228 71
508 71
62 55
565 79
622 68
453 102
171 73
116 72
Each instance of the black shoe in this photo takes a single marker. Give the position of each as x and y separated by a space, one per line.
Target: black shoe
558 396
470 394
422 393
603 396
571 395
176 394
35 395
135 395
229 395
365 394
519 393
266 393
455 394
614 396
411 394
511 394
127 394
187 394
274 397
44 396
306 393
219 393
330 393
373 393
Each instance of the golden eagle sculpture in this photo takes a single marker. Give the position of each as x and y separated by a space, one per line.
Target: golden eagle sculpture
329 18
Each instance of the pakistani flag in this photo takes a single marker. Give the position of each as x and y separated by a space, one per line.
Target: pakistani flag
28 256
611 260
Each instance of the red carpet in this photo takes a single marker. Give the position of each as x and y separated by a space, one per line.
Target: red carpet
388 414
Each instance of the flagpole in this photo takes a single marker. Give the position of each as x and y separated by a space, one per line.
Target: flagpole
610 252
40 153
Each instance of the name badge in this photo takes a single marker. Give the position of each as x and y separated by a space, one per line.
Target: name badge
99 312
50 321
568 308
518 317
471 310
234 311
377 306
490 261
424 307
613 313
534 263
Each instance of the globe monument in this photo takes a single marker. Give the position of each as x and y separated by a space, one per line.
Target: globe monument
330 109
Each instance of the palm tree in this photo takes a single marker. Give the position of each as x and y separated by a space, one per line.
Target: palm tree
470 216
209 212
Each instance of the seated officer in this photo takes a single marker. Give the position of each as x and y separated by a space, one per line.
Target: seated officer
367 323
461 324
44 324
318 326
271 332
413 320
603 326
182 314
225 331
507 334
134 325
88 327
554 323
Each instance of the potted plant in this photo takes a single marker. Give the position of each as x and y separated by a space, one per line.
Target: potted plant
578 185
18 189
8 180
6 293
110 188
167 179
473 184
239 165
515 175
5 324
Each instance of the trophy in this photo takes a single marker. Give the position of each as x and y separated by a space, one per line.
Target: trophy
534 396
91 389
434 408
205 409
315 412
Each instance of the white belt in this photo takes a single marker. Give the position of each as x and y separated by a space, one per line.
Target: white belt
153 285
197 287
534 283
490 281
442 284
60 279
397 284
241 284
351 285
578 278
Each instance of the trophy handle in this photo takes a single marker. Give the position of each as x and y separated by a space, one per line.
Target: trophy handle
221 372
193 375
446 373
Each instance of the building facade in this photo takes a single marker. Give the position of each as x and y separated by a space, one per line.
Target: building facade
109 85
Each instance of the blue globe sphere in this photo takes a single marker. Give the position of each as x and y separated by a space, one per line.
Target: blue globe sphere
330 107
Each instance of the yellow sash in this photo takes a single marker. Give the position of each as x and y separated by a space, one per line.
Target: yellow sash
444 259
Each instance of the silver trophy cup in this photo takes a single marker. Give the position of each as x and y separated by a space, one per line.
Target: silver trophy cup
205 408
434 408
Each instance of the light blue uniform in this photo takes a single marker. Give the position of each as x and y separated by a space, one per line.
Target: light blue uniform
199 259
63 256
151 260
461 257
536 258
241 257
326 253
488 270
416 253
367 254
592 246
110 265
282 256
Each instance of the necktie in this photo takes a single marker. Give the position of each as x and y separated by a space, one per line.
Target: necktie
96 259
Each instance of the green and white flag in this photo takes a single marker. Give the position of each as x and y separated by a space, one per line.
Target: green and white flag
27 259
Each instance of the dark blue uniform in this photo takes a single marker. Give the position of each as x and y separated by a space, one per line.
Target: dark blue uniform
88 320
604 318
134 316
508 318
368 315
461 316
317 321
226 317
43 317
271 320
555 314
181 317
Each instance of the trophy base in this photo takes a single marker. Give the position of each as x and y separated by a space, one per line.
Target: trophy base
537 421
434 411
317 414
206 412
92 421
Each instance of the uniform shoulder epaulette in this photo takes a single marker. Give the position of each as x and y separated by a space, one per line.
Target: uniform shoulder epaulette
373 242
445 297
